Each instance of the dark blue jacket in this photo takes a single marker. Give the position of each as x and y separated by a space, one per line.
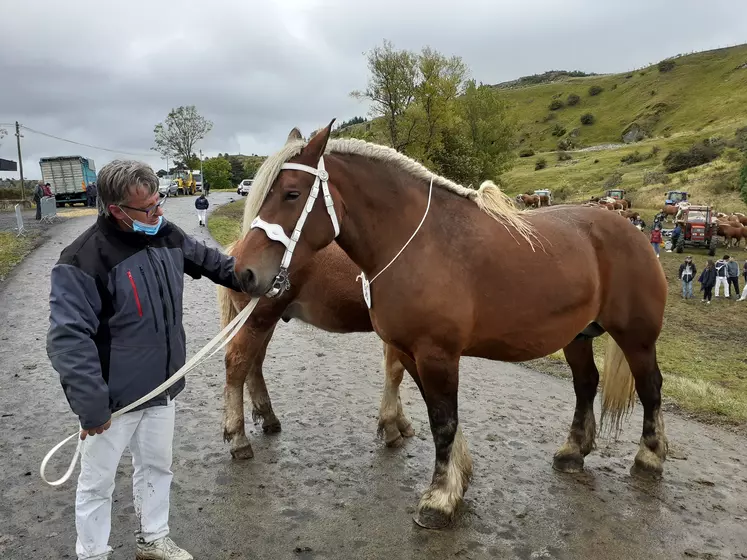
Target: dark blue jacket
116 330
201 203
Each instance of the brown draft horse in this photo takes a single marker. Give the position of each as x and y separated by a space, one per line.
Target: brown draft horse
452 291
529 200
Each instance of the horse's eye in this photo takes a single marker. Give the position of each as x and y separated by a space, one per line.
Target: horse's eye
292 195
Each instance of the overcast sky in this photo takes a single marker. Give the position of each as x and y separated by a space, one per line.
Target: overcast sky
104 73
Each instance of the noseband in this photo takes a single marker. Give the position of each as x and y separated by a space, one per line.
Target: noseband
277 233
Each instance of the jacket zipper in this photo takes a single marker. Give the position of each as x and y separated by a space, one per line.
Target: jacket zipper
171 295
164 306
150 298
134 290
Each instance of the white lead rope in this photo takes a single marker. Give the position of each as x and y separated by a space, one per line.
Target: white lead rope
221 339
366 284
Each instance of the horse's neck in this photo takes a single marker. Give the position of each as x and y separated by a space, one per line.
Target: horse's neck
381 212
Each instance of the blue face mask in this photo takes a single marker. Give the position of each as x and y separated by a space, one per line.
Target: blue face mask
147 229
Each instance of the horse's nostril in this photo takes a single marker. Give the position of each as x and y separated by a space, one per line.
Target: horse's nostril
247 279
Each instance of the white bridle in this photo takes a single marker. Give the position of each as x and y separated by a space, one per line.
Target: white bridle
277 233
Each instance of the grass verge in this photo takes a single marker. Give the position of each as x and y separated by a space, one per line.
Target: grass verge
13 249
700 350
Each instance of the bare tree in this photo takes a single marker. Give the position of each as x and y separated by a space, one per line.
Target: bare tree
178 135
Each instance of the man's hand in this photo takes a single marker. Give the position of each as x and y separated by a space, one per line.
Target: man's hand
93 431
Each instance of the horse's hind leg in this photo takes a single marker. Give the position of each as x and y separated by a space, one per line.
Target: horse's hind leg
639 360
580 442
653 446
394 426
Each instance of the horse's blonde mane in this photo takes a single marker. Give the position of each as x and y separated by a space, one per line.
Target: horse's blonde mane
489 197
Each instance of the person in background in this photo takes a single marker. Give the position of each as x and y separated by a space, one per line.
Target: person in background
47 190
38 195
744 292
708 281
732 276
676 232
202 204
656 239
722 276
206 188
687 276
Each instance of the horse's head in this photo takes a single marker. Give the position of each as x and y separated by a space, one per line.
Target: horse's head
296 218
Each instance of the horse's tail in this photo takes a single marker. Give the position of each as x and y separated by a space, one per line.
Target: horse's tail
225 303
618 388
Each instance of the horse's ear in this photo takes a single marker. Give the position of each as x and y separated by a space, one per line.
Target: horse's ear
318 143
295 134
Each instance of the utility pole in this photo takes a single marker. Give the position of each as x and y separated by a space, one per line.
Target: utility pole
20 159
202 175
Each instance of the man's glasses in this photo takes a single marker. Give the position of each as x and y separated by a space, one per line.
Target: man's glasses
151 209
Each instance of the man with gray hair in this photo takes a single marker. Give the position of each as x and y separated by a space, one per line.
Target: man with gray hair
115 334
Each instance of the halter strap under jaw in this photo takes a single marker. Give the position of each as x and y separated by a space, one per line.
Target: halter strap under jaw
277 233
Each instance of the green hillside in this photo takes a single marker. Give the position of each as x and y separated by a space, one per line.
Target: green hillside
700 97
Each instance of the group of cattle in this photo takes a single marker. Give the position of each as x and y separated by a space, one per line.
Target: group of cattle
533 200
733 228
621 205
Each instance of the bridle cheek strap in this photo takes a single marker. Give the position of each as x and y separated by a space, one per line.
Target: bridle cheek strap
277 233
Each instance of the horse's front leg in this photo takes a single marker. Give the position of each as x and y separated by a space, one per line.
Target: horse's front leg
439 381
394 426
244 356
255 384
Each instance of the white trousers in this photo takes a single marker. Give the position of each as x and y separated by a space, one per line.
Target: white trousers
149 435
202 216
721 281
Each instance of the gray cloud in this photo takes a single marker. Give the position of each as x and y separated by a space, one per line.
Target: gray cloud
105 75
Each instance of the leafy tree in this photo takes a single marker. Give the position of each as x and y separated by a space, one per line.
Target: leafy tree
218 173
490 127
392 86
178 135
251 166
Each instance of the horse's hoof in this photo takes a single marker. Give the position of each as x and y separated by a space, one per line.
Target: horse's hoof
242 453
396 442
272 427
429 518
407 431
647 465
573 463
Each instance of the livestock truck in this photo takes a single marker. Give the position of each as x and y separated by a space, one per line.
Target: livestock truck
69 177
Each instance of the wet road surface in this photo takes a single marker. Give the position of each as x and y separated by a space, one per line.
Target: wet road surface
326 487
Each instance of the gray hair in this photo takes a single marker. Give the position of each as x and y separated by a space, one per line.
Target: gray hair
116 179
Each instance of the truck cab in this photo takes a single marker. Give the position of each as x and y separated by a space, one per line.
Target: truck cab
675 197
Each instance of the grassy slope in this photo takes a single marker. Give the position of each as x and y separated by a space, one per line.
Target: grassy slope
703 361
705 95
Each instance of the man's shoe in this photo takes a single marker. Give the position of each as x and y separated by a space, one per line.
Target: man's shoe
161 549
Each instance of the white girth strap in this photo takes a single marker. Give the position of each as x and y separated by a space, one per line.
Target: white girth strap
276 231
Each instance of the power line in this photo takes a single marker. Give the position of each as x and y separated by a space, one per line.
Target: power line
85 145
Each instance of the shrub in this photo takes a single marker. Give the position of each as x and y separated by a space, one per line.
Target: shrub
572 100
743 182
740 138
556 104
540 164
613 180
596 161
655 151
722 185
635 157
526 152
564 156
656 177
666 65
699 154
566 143
558 130
595 90
587 118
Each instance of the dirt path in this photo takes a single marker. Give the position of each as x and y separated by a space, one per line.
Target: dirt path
327 488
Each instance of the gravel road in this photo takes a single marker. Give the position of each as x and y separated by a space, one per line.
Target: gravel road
326 487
